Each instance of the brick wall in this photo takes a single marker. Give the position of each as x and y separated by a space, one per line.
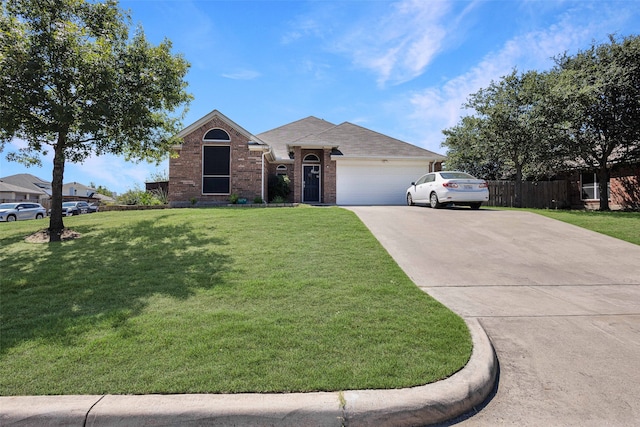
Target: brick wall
327 175
328 178
185 171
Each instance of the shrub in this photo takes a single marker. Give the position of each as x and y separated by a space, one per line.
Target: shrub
139 197
279 187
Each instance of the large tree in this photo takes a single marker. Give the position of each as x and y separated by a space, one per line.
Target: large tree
508 135
597 100
73 81
468 150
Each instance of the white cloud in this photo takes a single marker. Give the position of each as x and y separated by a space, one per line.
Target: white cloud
112 172
438 107
399 45
242 75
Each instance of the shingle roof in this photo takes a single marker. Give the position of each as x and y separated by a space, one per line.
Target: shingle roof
357 141
29 181
351 140
280 137
5 187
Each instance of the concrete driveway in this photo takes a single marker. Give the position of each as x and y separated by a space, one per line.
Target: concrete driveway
561 305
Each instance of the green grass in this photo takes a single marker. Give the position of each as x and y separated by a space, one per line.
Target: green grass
621 225
216 301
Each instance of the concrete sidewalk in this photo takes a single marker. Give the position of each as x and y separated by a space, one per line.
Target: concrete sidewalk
403 407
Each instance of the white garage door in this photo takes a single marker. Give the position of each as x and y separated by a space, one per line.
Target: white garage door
376 182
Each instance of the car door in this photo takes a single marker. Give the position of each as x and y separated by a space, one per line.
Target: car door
24 211
423 188
429 185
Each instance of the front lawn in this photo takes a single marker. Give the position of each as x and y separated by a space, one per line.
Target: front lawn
621 225
215 301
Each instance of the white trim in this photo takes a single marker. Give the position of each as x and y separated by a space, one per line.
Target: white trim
338 157
216 140
215 113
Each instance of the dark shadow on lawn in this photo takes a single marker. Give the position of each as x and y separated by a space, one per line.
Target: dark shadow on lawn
62 290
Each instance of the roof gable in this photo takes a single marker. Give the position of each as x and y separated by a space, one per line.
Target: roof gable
280 137
215 114
79 189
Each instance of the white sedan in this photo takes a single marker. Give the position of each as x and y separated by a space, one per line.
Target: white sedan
442 188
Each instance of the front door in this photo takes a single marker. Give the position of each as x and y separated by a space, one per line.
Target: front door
311 183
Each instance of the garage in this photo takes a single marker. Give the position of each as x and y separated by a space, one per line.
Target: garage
376 181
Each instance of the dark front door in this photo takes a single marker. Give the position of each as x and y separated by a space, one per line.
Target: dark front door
311 184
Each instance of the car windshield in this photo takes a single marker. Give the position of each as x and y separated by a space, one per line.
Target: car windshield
8 205
67 204
456 175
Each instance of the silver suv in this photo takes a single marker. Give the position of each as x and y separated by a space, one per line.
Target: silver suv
18 211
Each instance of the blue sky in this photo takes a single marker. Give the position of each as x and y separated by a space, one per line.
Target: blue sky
402 68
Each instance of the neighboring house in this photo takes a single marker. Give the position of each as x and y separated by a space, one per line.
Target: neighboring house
624 188
77 191
13 193
25 186
342 164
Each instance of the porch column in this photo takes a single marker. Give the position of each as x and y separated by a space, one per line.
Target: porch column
297 175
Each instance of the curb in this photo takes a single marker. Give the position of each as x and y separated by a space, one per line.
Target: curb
415 406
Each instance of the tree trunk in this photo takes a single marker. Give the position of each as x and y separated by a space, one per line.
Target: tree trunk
56 225
518 188
603 186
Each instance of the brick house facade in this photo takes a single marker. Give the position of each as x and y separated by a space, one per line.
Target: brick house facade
185 171
219 160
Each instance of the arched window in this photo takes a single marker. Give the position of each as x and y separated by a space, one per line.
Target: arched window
311 158
281 170
216 135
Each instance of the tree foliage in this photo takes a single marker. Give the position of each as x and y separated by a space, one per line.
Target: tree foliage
597 98
583 113
74 81
507 135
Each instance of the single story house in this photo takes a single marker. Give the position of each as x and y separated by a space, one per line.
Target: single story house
325 163
624 188
13 193
77 191
24 187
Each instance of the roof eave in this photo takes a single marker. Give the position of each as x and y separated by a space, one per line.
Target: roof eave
417 158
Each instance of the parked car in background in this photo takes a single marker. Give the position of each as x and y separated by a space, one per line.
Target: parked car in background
93 208
442 188
18 211
74 208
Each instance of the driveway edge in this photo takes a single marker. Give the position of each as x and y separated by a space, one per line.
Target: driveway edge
422 405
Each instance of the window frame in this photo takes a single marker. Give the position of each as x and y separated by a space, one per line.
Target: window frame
216 176
595 184
227 139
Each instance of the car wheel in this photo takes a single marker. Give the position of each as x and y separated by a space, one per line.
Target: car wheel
409 199
39 216
475 206
11 218
433 201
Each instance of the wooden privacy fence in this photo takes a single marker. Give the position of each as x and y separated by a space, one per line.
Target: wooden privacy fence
535 194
